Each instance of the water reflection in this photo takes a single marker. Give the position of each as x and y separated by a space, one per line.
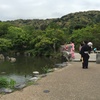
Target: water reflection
23 68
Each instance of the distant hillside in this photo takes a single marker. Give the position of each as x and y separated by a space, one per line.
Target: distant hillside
79 20
71 21
35 23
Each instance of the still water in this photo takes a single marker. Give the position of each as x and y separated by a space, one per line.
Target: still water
22 69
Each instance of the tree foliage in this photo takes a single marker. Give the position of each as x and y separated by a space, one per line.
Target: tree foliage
5 44
44 37
90 33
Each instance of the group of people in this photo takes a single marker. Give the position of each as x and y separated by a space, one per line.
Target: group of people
85 49
68 50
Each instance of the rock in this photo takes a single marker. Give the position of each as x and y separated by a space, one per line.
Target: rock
11 59
5 90
61 65
43 75
55 69
35 74
2 57
20 86
33 79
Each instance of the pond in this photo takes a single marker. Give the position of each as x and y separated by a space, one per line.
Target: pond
22 69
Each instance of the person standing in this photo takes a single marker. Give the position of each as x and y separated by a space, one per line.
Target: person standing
85 50
80 47
65 49
72 50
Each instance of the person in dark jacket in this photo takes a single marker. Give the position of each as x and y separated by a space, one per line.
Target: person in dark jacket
85 50
81 44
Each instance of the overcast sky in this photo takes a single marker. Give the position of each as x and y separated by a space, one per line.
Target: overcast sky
43 9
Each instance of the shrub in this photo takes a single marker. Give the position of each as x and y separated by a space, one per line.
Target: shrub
4 82
12 83
45 69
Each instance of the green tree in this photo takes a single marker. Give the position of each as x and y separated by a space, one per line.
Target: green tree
90 33
3 28
5 44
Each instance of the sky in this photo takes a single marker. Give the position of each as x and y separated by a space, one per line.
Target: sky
43 9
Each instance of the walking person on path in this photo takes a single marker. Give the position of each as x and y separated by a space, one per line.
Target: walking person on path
85 50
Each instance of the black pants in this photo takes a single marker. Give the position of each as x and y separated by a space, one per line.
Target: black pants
85 61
